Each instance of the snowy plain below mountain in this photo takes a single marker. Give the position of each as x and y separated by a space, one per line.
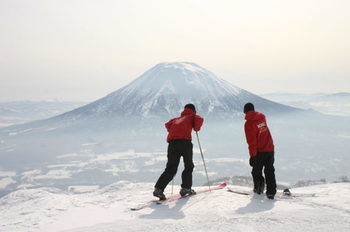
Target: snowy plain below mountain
108 209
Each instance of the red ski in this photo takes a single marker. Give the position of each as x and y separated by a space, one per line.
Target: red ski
176 197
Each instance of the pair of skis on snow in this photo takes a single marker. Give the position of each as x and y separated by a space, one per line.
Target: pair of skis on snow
285 194
176 197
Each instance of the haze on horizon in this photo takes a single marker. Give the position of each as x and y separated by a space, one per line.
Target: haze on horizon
82 50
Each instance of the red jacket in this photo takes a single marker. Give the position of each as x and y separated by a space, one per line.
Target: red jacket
181 127
258 135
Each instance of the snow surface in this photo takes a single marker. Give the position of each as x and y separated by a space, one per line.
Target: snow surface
4 182
107 209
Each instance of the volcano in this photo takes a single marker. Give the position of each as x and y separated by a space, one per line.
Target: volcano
157 95
162 91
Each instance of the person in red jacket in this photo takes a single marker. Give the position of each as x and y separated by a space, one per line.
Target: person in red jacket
179 139
261 150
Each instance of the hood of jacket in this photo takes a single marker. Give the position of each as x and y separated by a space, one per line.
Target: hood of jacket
187 111
254 116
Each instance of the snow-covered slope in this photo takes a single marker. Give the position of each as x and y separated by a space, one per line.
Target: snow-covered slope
107 209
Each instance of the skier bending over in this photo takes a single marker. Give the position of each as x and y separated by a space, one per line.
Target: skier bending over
261 150
179 139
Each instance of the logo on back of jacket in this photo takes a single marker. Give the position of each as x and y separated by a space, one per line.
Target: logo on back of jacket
262 127
179 120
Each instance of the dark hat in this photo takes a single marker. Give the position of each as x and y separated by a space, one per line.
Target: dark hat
248 107
191 106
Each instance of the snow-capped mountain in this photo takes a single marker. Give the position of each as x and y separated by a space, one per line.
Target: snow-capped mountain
163 90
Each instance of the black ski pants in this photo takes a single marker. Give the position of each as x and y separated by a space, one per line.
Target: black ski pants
176 149
264 160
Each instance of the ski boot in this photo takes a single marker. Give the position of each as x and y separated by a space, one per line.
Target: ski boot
186 192
255 190
286 192
260 189
270 196
159 193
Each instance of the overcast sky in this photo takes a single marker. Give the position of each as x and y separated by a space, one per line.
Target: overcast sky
83 50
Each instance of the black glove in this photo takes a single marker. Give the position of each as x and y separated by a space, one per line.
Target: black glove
253 161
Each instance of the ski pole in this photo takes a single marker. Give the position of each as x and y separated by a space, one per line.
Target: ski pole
205 167
172 186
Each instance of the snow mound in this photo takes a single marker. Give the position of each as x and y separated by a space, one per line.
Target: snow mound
108 209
